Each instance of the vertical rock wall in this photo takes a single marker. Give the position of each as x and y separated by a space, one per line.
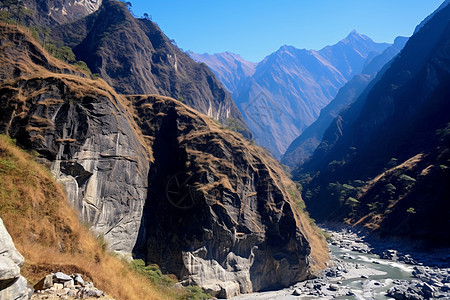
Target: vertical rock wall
92 148
218 212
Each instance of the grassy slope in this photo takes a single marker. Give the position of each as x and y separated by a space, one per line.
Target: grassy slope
47 232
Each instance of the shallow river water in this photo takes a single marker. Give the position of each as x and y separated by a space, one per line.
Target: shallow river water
394 270
373 287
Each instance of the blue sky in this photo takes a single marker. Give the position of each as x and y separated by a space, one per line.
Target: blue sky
256 28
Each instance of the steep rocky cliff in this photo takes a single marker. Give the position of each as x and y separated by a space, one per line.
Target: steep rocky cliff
135 57
383 162
219 212
51 238
80 127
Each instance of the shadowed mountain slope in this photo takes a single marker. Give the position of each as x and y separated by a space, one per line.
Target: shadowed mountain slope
384 162
303 146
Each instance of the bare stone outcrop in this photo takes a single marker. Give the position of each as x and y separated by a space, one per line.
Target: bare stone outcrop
51 12
13 286
66 287
82 131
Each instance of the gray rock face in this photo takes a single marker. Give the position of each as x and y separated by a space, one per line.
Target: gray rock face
12 284
92 149
215 215
8 269
61 277
50 12
17 289
7 248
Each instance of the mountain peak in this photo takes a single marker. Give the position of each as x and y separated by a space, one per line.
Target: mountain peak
356 36
285 48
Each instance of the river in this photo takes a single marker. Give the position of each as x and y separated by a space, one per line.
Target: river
354 275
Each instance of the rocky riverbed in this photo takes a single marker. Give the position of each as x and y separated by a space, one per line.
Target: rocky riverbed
360 269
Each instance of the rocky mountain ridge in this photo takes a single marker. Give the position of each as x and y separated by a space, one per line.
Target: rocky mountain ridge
225 212
229 68
52 12
135 57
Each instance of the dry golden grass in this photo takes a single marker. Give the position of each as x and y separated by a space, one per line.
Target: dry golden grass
373 221
48 234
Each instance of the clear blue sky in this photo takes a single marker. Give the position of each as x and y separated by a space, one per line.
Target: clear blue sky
256 28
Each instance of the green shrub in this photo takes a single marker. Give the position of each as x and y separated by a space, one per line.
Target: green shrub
352 203
392 163
411 210
375 207
194 292
81 65
234 125
406 181
152 272
326 235
7 165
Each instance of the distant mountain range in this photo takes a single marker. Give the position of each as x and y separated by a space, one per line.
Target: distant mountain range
303 146
288 88
228 67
